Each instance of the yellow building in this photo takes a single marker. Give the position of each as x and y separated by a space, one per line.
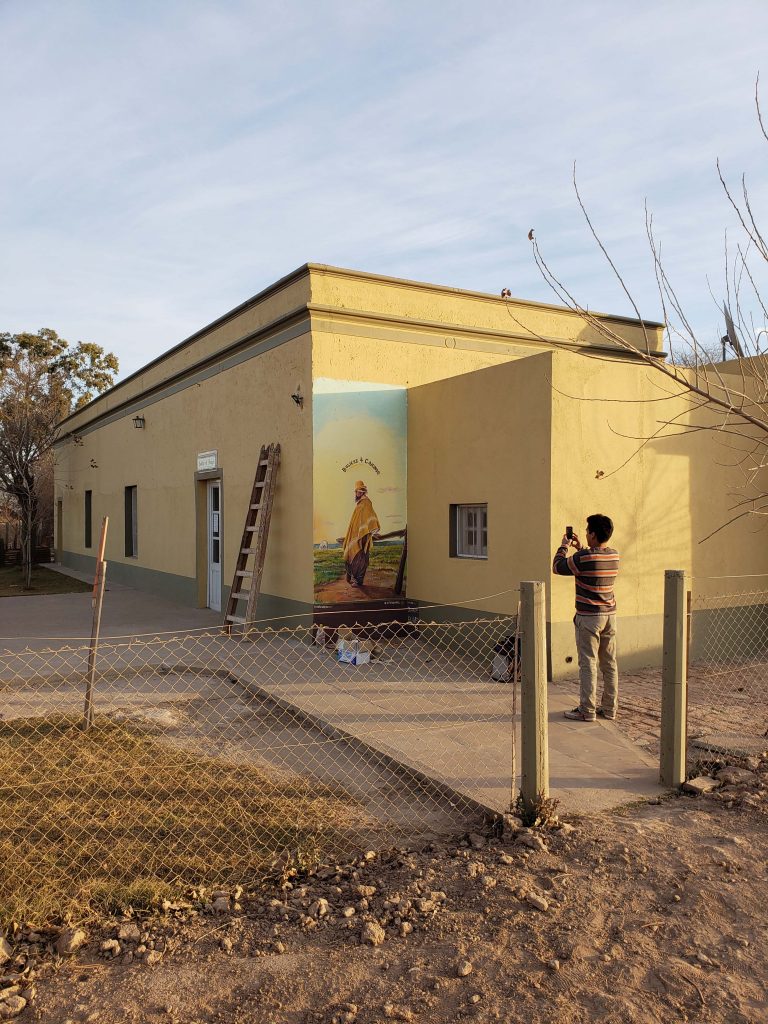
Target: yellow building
513 419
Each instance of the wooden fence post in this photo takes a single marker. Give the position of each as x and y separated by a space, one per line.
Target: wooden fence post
534 750
674 681
99 582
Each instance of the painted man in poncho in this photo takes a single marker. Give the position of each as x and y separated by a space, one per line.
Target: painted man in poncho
358 541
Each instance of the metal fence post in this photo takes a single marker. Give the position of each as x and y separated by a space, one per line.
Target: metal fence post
674 681
534 750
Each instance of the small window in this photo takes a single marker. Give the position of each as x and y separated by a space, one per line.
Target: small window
131 523
88 518
469 531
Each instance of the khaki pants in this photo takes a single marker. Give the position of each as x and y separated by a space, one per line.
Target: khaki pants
596 645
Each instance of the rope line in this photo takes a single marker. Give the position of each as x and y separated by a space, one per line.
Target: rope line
218 627
743 576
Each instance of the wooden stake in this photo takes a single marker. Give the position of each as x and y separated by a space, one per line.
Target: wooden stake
99 581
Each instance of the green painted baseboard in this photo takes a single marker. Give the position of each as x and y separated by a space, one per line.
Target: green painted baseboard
278 611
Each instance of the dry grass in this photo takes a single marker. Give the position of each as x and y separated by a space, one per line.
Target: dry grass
44 581
111 817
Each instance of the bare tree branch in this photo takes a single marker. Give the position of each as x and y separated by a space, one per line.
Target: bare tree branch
728 400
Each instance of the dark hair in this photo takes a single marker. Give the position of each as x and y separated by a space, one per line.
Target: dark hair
601 526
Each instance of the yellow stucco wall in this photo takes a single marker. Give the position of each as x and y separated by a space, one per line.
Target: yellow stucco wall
601 416
548 440
719 483
512 432
664 497
352 356
476 438
234 412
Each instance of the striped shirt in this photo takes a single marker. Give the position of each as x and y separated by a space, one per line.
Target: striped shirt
595 570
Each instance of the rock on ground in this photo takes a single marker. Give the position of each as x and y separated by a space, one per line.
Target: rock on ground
11 1007
373 933
735 776
70 941
701 784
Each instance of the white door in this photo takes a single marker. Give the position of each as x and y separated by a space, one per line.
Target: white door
214 545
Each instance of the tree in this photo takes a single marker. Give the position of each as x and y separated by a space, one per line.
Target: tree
731 405
42 379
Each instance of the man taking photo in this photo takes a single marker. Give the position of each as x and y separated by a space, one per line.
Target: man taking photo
595 568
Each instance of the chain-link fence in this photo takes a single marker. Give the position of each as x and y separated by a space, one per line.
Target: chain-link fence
727 672
210 756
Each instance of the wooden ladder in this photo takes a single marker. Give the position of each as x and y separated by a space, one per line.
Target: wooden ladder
254 542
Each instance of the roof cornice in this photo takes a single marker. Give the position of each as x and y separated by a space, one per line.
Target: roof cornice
327 269
467 330
309 269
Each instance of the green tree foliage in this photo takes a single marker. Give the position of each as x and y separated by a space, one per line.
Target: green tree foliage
43 378
77 372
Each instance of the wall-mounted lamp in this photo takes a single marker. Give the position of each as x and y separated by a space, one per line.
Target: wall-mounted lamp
138 422
298 397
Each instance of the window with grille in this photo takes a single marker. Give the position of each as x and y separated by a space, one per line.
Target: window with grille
469 531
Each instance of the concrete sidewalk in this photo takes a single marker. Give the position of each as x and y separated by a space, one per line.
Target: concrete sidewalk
464 739
27 621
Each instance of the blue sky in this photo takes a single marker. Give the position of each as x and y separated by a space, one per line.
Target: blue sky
164 161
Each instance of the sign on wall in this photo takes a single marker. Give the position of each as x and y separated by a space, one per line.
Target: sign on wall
207 461
359 514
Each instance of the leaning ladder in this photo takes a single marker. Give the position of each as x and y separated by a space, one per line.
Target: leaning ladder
254 542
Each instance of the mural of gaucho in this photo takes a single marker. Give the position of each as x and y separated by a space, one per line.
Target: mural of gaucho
363 527
359 540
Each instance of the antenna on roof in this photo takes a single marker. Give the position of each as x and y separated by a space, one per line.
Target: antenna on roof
730 337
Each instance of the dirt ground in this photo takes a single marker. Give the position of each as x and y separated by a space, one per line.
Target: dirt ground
732 702
379 585
651 913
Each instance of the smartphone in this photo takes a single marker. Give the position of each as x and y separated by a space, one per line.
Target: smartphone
569 532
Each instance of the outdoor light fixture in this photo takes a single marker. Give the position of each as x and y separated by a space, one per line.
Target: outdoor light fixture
298 397
138 422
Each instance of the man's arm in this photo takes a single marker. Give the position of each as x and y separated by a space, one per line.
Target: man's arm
562 565
560 561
